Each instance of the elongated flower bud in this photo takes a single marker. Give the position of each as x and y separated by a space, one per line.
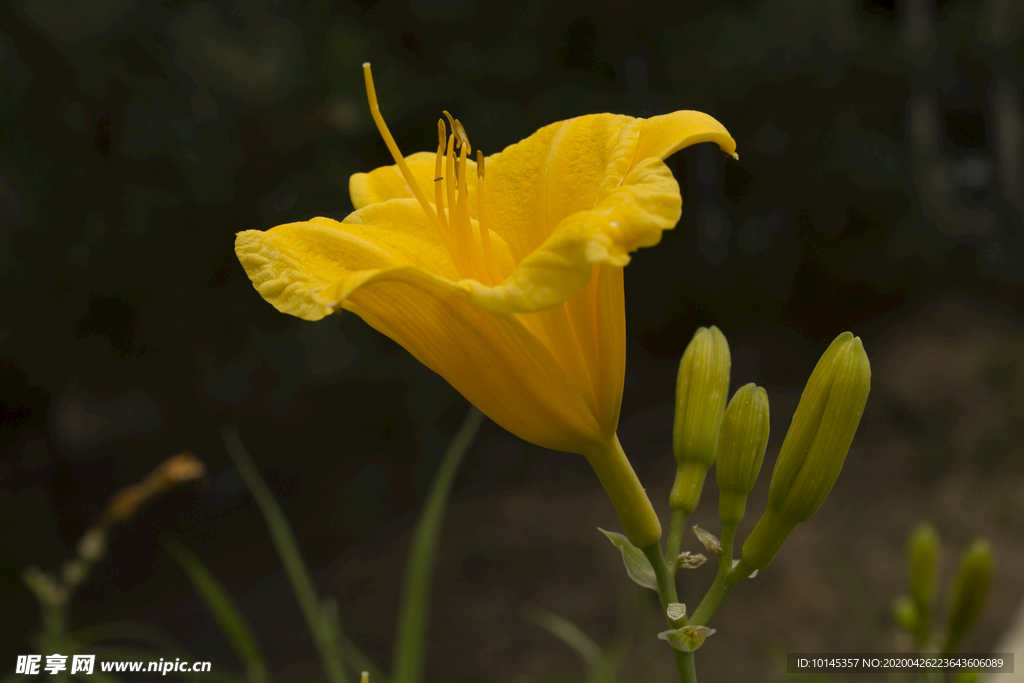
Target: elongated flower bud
741 444
701 390
969 592
922 557
815 447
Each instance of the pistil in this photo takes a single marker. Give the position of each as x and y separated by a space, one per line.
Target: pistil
396 154
451 181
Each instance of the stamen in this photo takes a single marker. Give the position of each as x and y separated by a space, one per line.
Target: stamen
450 178
371 95
463 229
452 171
438 178
485 233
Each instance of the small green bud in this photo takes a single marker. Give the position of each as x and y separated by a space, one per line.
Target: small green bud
815 448
741 445
969 592
904 611
922 557
702 387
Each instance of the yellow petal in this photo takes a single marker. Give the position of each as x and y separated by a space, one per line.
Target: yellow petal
306 268
663 136
587 335
631 216
492 360
387 182
565 167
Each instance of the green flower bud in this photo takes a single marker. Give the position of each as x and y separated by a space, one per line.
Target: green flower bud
969 592
741 445
905 613
922 557
815 447
702 387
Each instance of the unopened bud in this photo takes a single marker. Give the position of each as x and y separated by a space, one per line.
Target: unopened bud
45 587
74 571
741 445
702 387
904 611
922 557
815 447
92 545
969 591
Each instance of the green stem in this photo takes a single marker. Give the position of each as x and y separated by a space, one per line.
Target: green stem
689 671
676 529
723 583
666 582
667 594
627 494
725 559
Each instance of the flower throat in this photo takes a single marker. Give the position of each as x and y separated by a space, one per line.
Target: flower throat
453 224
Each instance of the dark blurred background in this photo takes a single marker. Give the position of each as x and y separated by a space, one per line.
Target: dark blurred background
880 188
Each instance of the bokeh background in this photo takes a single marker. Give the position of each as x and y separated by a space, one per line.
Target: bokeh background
880 189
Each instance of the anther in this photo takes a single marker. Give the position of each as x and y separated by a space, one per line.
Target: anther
460 133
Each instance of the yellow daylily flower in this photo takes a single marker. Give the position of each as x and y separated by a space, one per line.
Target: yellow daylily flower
504 274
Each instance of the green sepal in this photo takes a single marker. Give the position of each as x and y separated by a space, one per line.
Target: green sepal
687 638
638 567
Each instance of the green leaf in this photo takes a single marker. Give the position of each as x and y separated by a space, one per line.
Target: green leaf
407 666
230 619
637 565
291 557
599 670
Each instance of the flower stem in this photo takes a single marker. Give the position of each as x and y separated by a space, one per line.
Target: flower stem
725 559
626 492
723 583
676 529
667 593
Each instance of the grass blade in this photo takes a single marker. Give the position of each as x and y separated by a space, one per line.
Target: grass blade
230 619
598 669
291 557
419 568
350 653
